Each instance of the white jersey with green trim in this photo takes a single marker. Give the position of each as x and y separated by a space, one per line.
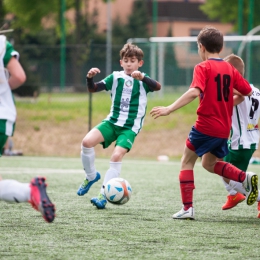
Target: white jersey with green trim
129 100
7 107
245 131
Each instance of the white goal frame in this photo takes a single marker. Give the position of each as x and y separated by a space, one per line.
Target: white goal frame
243 39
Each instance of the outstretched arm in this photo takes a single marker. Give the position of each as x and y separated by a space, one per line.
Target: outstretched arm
182 101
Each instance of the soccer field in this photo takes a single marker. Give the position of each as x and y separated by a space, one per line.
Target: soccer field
141 229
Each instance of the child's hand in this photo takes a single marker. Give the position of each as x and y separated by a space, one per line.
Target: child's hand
93 72
137 75
160 111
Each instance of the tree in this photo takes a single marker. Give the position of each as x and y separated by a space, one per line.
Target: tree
29 14
136 27
2 13
29 30
82 41
227 11
138 21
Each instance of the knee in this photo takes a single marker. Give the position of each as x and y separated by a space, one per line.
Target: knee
86 142
208 166
117 156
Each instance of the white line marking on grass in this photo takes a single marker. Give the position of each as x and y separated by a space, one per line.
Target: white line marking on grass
98 160
37 171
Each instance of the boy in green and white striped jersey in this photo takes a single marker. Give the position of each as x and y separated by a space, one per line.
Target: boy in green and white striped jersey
129 89
244 138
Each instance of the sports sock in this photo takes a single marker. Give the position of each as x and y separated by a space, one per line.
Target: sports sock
237 186
88 160
187 186
229 171
113 172
14 191
230 189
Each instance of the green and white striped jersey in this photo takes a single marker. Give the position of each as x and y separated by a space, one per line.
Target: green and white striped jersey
129 100
7 106
245 130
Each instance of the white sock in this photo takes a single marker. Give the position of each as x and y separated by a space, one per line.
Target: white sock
14 191
238 186
229 189
88 160
113 172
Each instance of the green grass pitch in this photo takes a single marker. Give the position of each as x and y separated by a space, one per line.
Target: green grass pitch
141 229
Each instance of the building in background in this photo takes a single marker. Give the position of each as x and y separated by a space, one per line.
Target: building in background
180 17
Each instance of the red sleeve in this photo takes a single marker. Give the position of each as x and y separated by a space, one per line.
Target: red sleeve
199 77
241 84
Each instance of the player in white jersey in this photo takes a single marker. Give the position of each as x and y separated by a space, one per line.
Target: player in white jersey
129 89
12 76
244 137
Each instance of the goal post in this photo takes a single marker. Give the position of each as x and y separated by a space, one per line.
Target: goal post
171 60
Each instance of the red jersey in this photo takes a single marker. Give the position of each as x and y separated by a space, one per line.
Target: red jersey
216 79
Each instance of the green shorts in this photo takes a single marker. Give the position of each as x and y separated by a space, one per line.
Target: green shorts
3 139
124 137
239 158
7 127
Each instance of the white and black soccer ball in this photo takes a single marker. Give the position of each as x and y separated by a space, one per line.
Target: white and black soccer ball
118 191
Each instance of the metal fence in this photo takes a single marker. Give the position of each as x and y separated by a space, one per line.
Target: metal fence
171 63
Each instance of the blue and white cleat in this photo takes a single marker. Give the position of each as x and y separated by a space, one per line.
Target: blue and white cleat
100 201
251 186
185 214
86 184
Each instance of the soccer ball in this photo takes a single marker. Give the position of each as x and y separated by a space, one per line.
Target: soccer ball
118 191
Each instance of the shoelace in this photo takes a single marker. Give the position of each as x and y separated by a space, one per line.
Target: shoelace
84 184
101 196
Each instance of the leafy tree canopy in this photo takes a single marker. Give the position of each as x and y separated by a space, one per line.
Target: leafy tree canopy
29 13
228 11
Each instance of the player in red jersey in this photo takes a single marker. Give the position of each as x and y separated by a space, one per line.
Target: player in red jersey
214 82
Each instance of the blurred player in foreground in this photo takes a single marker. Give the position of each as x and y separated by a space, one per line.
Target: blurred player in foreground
244 136
213 82
12 76
129 89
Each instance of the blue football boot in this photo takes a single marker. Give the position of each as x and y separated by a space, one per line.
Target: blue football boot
100 201
86 184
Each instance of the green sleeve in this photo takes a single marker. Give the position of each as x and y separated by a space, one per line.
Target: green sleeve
10 52
109 81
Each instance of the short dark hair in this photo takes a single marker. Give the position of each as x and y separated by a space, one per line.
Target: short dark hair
130 50
211 38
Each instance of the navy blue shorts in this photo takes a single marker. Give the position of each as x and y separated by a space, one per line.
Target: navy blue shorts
201 144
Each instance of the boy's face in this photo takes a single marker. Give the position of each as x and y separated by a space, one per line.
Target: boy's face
130 64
